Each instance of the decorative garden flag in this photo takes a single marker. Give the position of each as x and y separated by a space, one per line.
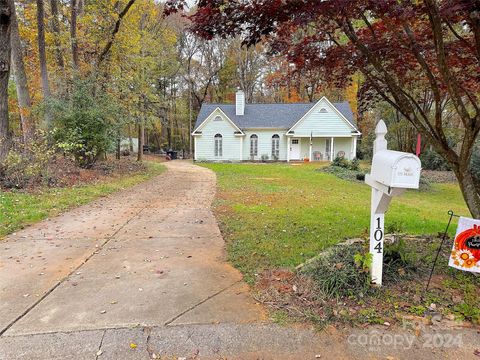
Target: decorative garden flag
466 247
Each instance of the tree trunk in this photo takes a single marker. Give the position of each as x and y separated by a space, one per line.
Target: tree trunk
21 82
56 34
73 32
470 189
119 140
190 143
5 56
130 140
41 51
140 140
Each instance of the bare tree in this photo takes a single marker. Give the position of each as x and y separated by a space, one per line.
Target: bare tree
249 61
41 49
106 50
203 61
21 83
5 53
73 32
56 34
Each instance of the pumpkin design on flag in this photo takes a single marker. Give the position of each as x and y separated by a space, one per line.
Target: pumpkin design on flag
466 247
470 240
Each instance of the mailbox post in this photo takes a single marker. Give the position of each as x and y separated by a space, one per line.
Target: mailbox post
392 173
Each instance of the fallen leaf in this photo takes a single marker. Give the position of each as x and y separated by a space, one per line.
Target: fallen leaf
133 346
99 352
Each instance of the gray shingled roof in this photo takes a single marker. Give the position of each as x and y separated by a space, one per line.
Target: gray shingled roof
281 116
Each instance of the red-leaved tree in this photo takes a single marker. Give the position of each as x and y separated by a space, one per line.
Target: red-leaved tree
422 57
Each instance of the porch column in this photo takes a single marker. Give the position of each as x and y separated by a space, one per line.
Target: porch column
288 148
354 147
310 150
241 148
332 155
195 148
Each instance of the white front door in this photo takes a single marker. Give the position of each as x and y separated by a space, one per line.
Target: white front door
295 149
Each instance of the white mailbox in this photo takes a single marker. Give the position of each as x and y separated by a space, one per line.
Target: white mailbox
396 169
392 173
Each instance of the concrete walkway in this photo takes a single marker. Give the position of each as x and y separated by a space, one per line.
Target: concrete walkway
140 274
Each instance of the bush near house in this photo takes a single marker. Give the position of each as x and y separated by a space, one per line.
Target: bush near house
345 169
353 165
431 160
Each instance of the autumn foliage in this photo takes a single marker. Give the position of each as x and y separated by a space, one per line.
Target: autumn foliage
420 57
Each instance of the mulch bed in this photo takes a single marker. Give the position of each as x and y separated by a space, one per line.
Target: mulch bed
439 176
398 302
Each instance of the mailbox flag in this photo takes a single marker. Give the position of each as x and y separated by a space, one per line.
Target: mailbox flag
466 247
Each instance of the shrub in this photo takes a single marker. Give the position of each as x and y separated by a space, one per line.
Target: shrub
27 164
346 164
431 160
84 123
341 271
340 162
360 177
355 164
343 173
425 183
345 169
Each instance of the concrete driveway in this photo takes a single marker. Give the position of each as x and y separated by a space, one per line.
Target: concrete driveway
140 274
150 255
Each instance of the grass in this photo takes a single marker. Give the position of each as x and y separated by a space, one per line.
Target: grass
279 215
18 209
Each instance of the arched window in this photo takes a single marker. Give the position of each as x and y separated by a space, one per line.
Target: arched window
217 118
275 147
253 145
218 145
323 110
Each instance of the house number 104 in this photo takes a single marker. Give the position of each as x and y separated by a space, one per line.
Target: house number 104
378 236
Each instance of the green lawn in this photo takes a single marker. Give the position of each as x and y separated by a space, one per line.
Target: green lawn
278 215
18 209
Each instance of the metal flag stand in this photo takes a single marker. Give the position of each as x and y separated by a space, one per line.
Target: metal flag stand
452 214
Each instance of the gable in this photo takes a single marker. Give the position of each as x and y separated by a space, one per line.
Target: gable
217 121
269 116
323 119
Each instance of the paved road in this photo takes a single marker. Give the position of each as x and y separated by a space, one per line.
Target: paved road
145 266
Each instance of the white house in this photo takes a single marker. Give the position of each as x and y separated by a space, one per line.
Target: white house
243 132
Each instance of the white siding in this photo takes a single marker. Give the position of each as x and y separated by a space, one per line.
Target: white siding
345 145
265 144
205 143
322 123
